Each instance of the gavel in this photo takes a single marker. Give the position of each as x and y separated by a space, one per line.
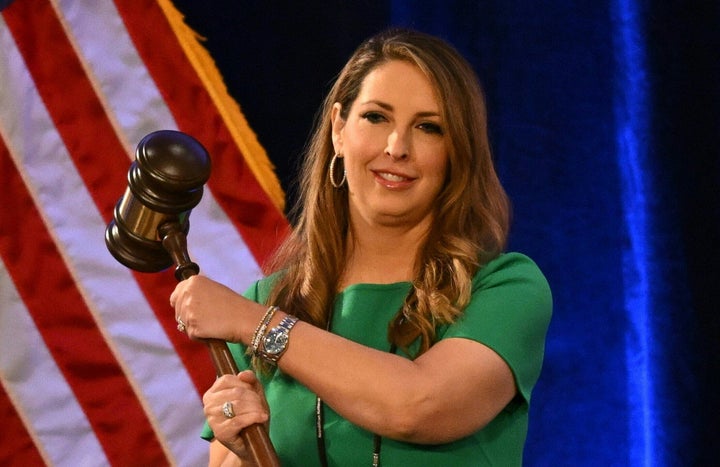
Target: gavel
149 229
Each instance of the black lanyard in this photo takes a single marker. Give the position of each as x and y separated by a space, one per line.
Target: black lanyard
320 431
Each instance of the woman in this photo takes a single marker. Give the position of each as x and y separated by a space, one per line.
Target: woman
393 321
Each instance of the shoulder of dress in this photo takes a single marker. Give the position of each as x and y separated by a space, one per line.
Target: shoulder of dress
509 267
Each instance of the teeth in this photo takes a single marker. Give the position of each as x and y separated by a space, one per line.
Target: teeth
391 177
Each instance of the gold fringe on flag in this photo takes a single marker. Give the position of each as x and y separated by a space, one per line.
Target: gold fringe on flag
245 138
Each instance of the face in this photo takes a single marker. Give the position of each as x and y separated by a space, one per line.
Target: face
394 147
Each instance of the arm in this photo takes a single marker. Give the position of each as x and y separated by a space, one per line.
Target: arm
220 456
454 389
451 391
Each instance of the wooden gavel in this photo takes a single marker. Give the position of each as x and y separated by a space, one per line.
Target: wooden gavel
149 229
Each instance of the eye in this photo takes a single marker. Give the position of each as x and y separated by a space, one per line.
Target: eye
431 128
374 117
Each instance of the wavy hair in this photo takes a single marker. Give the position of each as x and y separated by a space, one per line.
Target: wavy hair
471 216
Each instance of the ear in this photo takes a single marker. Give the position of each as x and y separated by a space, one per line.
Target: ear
338 123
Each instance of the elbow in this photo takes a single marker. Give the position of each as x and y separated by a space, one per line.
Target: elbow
423 421
405 427
412 421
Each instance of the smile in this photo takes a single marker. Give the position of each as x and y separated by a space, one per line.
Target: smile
394 181
392 177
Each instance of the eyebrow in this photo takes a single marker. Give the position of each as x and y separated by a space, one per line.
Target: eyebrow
389 107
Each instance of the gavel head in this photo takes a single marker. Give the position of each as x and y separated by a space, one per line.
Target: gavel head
164 183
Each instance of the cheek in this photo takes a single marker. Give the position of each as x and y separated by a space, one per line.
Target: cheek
359 150
364 137
438 177
436 163
437 183
353 168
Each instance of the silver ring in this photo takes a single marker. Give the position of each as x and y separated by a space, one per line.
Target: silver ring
181 325
227 410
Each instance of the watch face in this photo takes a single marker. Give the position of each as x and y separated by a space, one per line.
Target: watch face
275 342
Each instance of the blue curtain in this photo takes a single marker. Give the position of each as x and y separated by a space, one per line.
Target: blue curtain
604 119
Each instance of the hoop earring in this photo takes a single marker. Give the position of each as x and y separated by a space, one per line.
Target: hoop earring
331 172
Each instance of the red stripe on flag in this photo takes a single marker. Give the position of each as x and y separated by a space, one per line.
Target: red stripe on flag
69 330
99 156
233 183
67 92
17 447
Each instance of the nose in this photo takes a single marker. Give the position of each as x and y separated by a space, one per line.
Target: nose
397 146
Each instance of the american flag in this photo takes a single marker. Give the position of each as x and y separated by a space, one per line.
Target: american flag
92 368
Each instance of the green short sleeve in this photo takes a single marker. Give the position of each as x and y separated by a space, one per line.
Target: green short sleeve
509 312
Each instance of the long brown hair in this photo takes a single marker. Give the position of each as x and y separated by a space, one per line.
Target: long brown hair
472 210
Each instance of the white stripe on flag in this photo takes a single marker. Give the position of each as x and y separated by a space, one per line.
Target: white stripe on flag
134 103
111 293
131 99
38 389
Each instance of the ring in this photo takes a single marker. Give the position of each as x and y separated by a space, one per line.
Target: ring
181 325
227 410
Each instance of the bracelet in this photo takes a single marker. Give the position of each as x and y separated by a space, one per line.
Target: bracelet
260 330
276 341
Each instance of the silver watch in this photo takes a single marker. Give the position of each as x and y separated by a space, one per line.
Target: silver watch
275 342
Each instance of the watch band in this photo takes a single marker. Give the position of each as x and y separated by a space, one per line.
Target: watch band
275 342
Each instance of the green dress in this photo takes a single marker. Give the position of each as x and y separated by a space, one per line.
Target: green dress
509 312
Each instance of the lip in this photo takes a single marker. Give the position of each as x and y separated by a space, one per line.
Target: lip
393 179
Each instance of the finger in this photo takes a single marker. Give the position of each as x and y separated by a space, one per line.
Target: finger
175 295
247 411
247 418
247 376
233 394
250 378
227 387
244 378
227 430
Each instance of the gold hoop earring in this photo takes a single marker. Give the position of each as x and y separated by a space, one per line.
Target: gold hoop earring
331 172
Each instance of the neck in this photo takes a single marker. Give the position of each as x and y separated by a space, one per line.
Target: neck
382 255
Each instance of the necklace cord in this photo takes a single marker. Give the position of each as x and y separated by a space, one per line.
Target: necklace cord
320 420
320 431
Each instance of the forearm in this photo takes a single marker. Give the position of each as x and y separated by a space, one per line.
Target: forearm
451 391
372 388
433 399
220 456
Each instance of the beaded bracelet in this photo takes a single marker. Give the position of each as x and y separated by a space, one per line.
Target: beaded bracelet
260 330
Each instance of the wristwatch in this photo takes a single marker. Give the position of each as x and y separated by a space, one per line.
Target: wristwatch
276 340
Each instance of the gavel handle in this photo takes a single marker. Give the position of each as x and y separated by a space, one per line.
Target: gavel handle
257 442
256 439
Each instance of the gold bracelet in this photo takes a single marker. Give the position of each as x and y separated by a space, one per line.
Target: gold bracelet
260 330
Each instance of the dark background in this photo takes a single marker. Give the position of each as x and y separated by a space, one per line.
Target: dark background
604 119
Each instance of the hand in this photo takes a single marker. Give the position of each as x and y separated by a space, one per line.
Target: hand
208 309
249 405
